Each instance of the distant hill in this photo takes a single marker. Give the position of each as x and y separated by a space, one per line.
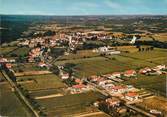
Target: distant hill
12 26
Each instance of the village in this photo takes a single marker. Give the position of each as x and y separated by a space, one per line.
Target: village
40 60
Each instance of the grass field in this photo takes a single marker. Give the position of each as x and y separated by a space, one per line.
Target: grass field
157 56
6 50
10 104
70 104
21 51
154 83
114 63
42 82
158 103
79 54
26 67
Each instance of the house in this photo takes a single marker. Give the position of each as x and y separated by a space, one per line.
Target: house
116 75
8 65
145 70
79 86
119 89
65 76
112 102
77 80
3 60
130 73
131 96
159 67
103 49
42 64
12 60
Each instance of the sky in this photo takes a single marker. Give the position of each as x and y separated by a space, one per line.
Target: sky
83 7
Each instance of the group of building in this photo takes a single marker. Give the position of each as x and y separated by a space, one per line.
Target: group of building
127 92
157 70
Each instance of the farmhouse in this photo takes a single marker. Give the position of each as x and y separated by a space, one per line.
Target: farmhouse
130 73
116 75
131 96
119 89
65 76
145 70
159 67
42 64
3 60
8 65
112 102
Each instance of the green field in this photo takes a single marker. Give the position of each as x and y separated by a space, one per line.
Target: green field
154 83
157 56
116 63
79 54
70 104
42 82
10 104
6 50
21 51
26 67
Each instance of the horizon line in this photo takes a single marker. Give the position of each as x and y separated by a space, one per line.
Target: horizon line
88 14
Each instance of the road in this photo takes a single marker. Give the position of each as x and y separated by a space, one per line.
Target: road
13 85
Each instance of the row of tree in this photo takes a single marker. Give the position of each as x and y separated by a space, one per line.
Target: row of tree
141 49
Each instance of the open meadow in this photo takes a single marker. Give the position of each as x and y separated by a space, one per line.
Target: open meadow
41 82
156 84
116 63
70 104
10 104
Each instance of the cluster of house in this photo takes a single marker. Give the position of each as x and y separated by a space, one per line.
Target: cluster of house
8 63
127 92
127 73
110 102
157 70
6 60
34 53
79 86
42 64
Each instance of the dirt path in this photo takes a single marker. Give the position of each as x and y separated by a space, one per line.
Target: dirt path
89 114
49 96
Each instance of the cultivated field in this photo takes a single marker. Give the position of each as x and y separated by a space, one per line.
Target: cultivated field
41 82
157 56
79 54
21 51
10 104
158 103
114 63
156 84
6 50
26 67
70 104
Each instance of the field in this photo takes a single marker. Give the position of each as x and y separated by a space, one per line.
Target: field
26 67
70 104
6 50
156 84
114 63
158 103
10 104
79 54
21 51
127 48
42 82
157 56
